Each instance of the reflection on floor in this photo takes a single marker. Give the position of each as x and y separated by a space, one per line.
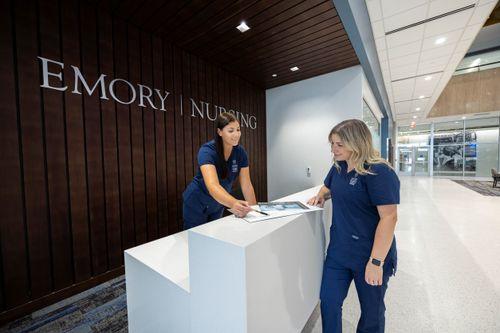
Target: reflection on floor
448 277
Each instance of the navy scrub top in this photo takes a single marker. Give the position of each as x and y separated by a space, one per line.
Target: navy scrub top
355 199
208 155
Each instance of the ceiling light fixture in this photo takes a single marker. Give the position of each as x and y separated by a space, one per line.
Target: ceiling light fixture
440 40
464 117
417 109
274 75
428 78
295 68
243 27
414 117
421 96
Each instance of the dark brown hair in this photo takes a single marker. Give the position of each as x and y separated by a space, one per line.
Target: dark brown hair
222 121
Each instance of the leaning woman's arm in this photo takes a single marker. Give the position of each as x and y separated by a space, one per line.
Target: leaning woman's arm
217 192
385 231
246 186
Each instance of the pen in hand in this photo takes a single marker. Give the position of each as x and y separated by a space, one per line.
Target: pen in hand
258 211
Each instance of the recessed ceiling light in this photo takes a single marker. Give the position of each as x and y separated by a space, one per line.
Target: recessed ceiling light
456 122
418 109
440 40
421 96
295 68
274 75
464 117
414 117
427 78
243 27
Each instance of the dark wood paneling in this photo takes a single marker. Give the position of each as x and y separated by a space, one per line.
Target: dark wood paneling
33 150
137 142
75 138
93 140
57 178
14 273
282 34
110 151
85 178
120 47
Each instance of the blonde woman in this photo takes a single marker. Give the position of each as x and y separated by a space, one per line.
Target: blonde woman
365 194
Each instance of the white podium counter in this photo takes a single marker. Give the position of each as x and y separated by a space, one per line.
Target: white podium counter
230 275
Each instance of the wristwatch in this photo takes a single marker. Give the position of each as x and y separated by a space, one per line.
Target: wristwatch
376 262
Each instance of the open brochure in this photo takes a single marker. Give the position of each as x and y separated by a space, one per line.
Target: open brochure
278 209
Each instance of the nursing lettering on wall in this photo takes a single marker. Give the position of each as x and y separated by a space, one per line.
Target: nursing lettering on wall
139 93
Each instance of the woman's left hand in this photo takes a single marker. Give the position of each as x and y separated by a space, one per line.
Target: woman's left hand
373 274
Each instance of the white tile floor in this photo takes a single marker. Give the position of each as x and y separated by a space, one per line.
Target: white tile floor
448 277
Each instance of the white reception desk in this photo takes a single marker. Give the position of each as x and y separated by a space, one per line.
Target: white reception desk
230 275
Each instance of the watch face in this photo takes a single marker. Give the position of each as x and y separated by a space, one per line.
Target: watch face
376 262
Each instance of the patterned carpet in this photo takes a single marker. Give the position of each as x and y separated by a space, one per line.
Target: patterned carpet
100 309
481 187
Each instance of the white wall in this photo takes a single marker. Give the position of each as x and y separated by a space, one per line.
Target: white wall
299 117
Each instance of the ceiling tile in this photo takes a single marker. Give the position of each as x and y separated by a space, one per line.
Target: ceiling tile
448 23
451 38
392 7
463 46
403 107
443 6
403 50
405 36
437 52
434 62
405 60
401 20
472 31
401 72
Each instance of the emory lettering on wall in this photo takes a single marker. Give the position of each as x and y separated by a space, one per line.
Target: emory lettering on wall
142 94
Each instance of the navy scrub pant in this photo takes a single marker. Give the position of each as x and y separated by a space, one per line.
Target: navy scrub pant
195 212
338 274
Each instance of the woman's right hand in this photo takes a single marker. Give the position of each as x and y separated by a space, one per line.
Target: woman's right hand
241 208
317 200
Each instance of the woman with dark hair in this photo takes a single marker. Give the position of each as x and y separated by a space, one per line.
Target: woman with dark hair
220 161
365 193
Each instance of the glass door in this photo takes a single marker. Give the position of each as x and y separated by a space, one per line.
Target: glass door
405 161
414 161
421 166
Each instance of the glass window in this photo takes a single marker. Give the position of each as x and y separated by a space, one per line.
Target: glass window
483 130
373 125
448 160
414 136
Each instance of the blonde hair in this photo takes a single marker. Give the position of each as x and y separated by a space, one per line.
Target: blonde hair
357 138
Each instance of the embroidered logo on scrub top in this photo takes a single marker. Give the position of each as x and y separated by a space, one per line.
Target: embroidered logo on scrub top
353 180
234 167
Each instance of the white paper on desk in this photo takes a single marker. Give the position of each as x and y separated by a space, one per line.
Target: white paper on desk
257 217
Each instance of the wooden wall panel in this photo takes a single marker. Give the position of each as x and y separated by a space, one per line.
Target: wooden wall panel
85 177
57 178
93 140
109 150
33 150
14 272
469 93
75 141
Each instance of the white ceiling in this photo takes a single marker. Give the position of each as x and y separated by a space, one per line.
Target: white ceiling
409 56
